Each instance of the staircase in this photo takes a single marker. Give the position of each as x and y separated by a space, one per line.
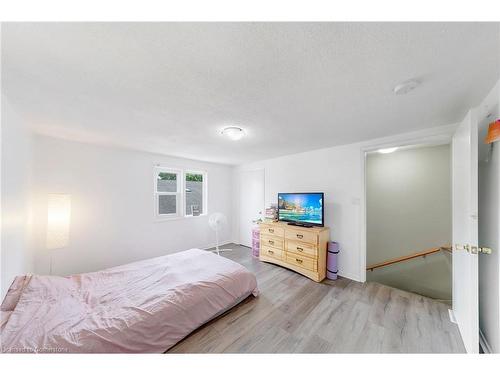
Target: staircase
427 273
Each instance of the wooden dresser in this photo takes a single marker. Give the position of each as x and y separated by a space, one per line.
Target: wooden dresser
300 249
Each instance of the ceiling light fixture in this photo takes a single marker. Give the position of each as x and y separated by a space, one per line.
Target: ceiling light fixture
406 87
234 133
387 150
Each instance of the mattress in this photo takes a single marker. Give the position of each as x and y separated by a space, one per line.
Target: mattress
141 307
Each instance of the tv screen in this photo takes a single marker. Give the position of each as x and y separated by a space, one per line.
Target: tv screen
304 208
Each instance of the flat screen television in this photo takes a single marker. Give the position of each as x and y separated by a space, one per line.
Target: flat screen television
304 209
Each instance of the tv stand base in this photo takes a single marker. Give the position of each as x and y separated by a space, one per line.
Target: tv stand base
302 225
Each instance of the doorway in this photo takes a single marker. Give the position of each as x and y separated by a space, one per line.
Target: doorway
489 233
409 219
465 248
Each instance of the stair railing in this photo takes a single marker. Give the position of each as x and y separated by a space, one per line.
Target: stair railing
408 257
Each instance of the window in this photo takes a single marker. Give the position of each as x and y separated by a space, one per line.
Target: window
195 193
168 192
180 193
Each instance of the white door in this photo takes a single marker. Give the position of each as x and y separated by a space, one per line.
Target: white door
465 231
251 202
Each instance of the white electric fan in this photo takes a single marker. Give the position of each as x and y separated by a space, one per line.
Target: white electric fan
217 221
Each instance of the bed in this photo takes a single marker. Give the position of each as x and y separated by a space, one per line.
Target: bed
141 307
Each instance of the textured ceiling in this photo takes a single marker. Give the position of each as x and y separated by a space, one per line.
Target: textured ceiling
169 87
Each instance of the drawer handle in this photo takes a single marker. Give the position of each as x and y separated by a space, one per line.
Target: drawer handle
300 249
270 251
299 260
300 236
271 230
271 242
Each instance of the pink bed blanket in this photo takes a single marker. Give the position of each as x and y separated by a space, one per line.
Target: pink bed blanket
142 307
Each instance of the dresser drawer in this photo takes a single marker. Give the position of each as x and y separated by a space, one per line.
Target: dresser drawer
271 252
302 261
271 241
302 236
272 230
301 248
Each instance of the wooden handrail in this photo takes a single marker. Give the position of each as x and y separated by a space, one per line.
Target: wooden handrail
408 257
447 248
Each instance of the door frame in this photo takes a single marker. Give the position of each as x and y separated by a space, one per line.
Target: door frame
487 111
428 137
466 314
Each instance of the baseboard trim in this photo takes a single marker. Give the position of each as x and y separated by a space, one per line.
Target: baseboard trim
452 316
483 343
223 243
349 276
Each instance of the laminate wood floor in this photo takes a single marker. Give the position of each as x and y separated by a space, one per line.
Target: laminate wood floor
296 315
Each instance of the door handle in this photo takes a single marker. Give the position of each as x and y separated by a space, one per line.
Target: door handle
462 247
473 249
485 250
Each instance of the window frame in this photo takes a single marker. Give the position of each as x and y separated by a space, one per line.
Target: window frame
203 191
178 194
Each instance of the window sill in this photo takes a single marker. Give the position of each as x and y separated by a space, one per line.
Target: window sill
194 217
159 219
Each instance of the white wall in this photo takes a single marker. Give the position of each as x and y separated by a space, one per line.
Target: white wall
16 256
489 226
112 211
339 173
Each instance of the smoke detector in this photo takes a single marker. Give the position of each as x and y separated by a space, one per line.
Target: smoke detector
405 87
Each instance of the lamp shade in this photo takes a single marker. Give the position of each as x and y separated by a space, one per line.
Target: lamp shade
58 220
493 132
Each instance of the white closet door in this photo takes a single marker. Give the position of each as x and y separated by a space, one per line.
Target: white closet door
252 202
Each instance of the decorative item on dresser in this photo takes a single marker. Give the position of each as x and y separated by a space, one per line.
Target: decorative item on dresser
256 241
300 249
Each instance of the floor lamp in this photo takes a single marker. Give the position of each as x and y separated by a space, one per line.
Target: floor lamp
58 220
